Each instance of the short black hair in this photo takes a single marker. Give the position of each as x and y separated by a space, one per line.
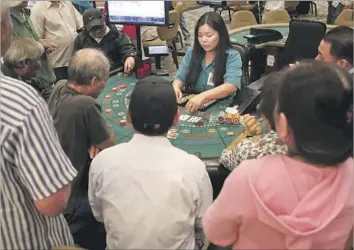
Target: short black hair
316 98
153 107
341 40
269 97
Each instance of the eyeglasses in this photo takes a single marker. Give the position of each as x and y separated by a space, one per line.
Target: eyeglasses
97 28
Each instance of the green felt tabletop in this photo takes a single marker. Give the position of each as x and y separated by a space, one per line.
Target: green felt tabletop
206 141
237 35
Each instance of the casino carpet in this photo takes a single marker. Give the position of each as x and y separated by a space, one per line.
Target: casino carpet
192 17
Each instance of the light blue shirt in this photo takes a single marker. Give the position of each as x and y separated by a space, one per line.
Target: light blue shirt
232 75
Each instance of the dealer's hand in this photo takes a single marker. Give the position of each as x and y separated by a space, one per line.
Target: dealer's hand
194 104
129 64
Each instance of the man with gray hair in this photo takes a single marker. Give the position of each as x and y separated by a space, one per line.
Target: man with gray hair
82 132
22 61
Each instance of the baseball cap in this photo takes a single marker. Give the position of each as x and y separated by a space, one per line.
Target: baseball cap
153 107
92 17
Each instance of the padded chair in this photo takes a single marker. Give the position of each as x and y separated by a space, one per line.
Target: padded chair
237 6
179 6
345 18
217 175
276 16
290 7
167 35
313 7
245 51
303 40
242 18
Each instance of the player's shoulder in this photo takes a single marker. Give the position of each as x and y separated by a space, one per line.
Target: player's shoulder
189 52
187 160
232 52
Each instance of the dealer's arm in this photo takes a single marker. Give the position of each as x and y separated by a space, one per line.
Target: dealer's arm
232 82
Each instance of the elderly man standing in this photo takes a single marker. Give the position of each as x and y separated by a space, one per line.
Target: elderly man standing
82 132
23 27
23 61
59 22
35 172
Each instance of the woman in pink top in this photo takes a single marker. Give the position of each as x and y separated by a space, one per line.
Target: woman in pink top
303 200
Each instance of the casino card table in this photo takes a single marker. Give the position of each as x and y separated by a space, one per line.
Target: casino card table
205 141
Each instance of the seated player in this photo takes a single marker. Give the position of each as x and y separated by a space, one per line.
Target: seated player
337 47
258 146
212 69
81 128
302 200
149 194
115 44
22 61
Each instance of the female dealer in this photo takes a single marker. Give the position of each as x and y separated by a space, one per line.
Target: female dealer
212 69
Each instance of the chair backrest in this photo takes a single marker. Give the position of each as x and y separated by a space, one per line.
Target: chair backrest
291 5
345 18
242 18
170 31
276 16
244 51
178 6
303 39
235 3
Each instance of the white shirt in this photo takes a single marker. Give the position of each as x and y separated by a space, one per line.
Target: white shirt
336 3
275 5
58 25
149 194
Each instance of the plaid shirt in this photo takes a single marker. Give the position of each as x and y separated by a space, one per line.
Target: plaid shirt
253 148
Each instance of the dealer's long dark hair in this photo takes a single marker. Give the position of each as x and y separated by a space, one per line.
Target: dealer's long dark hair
215 21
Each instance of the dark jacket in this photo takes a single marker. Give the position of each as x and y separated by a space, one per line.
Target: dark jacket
116 46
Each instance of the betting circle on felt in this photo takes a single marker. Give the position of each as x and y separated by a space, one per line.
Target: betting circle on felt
206 141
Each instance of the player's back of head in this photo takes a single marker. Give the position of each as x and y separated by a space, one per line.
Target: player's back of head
86 64
153 107
316 98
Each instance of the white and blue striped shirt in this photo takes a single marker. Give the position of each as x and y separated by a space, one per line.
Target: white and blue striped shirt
33 167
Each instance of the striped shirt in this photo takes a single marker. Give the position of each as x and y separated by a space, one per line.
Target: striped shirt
33 166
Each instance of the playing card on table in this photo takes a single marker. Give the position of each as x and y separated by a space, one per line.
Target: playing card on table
194 119
184 117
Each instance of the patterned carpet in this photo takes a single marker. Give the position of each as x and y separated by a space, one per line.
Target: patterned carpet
192 17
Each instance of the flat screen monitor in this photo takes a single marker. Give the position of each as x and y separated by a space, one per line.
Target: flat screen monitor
146 13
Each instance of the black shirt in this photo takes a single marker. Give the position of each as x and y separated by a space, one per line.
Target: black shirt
79 124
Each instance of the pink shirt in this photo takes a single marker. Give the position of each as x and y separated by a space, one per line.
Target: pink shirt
279 203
